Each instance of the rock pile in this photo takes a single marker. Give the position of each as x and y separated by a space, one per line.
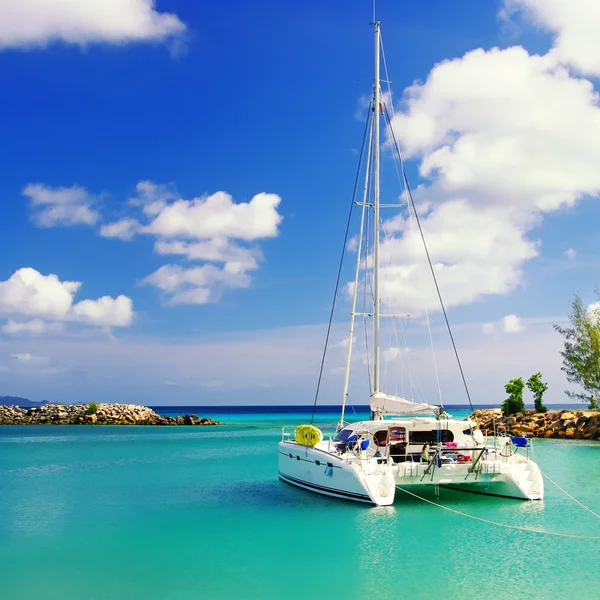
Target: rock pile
107 414
576 424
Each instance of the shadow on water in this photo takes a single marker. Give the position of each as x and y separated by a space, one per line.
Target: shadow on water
274 493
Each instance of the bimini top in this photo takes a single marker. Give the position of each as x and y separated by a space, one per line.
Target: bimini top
386 404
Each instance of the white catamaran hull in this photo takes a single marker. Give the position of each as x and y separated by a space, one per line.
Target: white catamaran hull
319 471
374 481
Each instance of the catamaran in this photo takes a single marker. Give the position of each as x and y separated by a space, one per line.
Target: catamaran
405 443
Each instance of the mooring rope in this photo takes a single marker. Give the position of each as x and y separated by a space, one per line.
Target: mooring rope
529 529
567 494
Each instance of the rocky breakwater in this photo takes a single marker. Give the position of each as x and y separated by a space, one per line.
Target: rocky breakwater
105 414
566 424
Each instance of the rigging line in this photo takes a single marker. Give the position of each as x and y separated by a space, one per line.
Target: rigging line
410 221
437 376
403 367
569 495
395 239
339 274
435 368
388 236
518 527
437 287
411 371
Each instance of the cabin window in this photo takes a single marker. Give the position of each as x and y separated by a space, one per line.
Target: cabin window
343 435
380 437
397 434
431 437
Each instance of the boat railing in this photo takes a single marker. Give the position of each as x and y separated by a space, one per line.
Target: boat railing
502 432
476 461
445 450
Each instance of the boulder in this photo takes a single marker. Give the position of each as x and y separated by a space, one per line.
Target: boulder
592 432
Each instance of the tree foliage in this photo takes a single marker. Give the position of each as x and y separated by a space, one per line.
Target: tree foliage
92 408
514 403
538 388
581 354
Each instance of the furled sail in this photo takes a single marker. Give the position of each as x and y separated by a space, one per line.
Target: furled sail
386 404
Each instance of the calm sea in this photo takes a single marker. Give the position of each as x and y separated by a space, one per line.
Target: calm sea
183 512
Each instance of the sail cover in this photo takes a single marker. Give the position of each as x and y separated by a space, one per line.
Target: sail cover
395 405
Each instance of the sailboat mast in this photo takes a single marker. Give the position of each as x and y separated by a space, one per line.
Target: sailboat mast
376 108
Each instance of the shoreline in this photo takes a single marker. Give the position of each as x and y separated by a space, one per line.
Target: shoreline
555 424
106 414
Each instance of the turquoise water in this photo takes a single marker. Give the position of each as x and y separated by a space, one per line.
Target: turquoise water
182 512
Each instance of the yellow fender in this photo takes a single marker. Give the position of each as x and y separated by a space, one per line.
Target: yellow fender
308 435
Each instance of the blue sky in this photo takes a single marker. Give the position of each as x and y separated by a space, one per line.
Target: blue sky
190 166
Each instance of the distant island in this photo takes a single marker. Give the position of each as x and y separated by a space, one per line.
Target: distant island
90 414
22 402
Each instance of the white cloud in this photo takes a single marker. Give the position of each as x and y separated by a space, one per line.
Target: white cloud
61 206
509 324
394 353
484 127
198 285
486 123
124 229
512 324
488 328
26 365
570 253
29 293
152 197
111 312
593 308
27 23
207 217
212 229
218 216
33 327
214 250
575 25
475 252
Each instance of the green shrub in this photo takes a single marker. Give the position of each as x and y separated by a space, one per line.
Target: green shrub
538 388
514 403
92 408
